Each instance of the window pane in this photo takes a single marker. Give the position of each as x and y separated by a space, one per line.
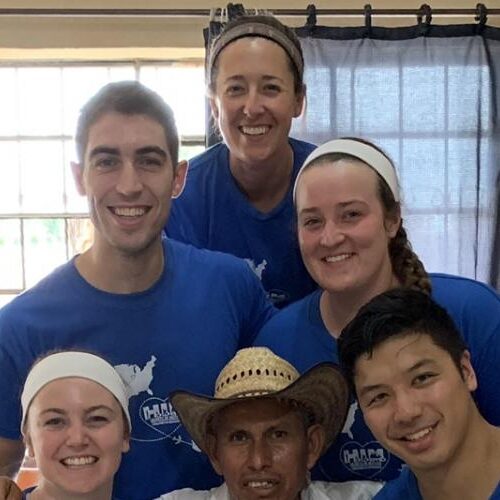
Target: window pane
42 176
9 178
40 102
8 102
45 247
11 272
187 152
184 90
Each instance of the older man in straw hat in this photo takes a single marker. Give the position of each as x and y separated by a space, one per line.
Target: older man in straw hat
265 428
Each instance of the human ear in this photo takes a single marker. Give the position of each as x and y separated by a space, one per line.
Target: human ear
300 98
211 451
77 169
214 107
179 178
315 443
29 445
392 223
468 373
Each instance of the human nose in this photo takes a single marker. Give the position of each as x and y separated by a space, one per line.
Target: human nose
129 182
253 103
76 435
331 234
259 455
407 407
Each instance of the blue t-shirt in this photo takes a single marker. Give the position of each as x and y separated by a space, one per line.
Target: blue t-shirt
299 335
405 487
213 213
178 334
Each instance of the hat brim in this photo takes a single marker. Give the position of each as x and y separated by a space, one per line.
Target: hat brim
322 389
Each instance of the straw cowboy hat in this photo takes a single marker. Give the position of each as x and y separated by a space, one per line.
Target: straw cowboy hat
256 373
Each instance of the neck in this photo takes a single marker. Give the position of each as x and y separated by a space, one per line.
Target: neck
473 470
265 183
119 272
49 491
338 308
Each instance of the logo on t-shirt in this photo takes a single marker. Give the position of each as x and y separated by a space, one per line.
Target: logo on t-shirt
153 418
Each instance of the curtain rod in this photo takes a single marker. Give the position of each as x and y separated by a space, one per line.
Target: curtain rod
207 12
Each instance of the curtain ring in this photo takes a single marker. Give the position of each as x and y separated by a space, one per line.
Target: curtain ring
425 10
311 16
481 14
368 17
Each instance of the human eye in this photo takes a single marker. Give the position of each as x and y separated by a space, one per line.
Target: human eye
150 162
311 222
97 420
53 422
234 89
238 437
351 215
105 162
424 378
377 399
279 434
272 88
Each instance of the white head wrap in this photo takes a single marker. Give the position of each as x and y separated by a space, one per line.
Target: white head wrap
73 364
365 152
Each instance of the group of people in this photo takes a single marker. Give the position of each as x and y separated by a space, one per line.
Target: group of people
110 362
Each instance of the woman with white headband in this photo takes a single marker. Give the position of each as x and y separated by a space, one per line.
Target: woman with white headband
354 245
76 425
238 194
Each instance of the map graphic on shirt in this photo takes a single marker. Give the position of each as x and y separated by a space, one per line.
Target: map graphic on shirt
158 419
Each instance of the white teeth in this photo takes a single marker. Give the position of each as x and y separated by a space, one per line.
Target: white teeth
337 258
419 434
129 211
79 460
255 130
260 484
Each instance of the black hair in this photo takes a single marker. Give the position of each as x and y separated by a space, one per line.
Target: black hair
398 312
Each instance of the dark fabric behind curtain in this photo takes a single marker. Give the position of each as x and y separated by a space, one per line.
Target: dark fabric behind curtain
429 95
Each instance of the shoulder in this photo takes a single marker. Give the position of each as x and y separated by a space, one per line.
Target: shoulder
299 312
404 486
45 291
219 493
195 259
459 286
354 490
301 147
209 159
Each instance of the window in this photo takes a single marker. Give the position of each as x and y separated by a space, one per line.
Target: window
43 221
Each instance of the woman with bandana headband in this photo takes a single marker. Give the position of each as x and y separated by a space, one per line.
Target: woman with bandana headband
237 197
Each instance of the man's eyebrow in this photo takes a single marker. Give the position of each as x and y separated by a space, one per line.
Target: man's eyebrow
152 149
370 388
103 150
419 364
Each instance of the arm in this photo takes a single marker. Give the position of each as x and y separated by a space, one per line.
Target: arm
11 456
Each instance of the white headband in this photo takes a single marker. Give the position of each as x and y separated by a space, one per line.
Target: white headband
365 152
73 364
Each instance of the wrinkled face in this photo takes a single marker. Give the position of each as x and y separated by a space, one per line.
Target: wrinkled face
263 450
255 100
415 400
76 432
343 234
129 179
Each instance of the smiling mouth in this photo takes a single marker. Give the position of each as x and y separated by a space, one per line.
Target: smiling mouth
262 484
331 259
254 131
129 212
421 434
79 461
